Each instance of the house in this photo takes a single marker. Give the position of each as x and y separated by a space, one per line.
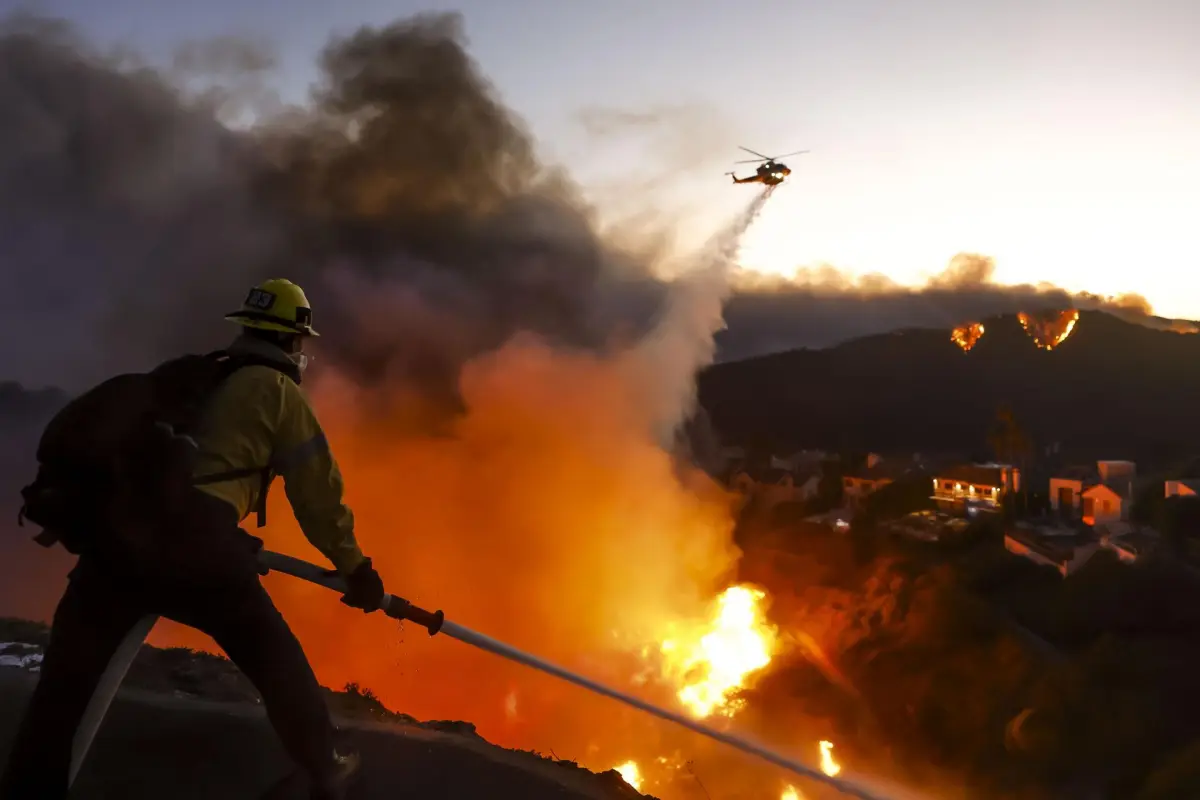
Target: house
1188 487
1065 549
875 473
971 488
771 485
1096 496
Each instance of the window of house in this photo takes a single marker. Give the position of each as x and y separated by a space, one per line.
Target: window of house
947 485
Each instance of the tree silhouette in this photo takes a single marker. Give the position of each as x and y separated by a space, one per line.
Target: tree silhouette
1011 445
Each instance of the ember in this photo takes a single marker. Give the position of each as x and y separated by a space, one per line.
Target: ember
965 336
1051 329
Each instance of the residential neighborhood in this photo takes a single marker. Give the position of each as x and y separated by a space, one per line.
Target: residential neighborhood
1060 519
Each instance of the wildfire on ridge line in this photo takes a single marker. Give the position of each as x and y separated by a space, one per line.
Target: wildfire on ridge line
1050 329
965 336
1047 329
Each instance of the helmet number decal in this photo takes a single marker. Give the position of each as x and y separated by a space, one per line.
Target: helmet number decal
260 300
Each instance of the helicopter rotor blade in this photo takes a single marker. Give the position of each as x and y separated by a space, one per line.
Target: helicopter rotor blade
753 161
755 153
787 155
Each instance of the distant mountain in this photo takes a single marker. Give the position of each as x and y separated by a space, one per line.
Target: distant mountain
1111 388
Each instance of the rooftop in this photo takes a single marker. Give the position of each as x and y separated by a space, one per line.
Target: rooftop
1056 543
1191 483
1121 487
978 474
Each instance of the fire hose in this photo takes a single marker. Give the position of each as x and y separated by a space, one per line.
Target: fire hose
435 622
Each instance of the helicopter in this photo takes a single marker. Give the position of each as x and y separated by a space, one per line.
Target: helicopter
769 173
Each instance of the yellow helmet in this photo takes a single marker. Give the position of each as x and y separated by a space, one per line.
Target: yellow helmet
276 305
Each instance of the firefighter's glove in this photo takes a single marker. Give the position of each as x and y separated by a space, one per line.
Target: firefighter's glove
364 588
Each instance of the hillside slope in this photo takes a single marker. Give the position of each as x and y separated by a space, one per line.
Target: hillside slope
189 725
1112 388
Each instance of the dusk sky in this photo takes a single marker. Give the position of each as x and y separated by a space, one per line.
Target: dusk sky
1062 138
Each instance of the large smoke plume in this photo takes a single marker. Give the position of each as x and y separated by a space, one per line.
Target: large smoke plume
406 198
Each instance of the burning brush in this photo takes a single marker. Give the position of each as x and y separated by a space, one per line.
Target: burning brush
738 612
1050 329
965 336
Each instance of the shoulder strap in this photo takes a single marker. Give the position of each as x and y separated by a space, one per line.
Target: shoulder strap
235 361
232 363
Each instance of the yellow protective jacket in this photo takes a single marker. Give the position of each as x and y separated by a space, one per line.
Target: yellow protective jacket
259 418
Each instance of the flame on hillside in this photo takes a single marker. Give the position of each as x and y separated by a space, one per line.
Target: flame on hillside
631 773
711 663
1050 329
965 336
1182 326
707 663
828 766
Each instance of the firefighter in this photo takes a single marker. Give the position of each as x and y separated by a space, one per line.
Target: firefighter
204 572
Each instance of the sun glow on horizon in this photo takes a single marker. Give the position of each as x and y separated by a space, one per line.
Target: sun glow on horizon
797 234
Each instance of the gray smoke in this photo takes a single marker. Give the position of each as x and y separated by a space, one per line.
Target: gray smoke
131 218
824 307
682 343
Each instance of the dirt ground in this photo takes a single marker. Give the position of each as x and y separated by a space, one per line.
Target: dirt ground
154 746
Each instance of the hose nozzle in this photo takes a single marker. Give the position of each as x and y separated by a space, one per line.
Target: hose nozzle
401 609
395 607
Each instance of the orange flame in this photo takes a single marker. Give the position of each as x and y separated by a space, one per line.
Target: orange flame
631 773
965 336
711 663
1049 330
828 766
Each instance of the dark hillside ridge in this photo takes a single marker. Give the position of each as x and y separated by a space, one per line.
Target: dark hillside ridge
1111 389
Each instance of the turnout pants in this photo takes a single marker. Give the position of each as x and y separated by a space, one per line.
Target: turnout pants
205 577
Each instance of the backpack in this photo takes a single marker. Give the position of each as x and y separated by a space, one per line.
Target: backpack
127 443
